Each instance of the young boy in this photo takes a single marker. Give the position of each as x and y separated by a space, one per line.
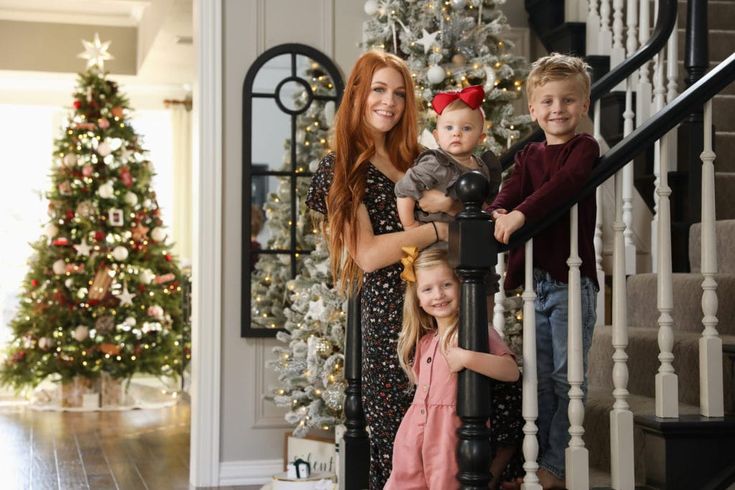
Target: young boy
545 174
459 129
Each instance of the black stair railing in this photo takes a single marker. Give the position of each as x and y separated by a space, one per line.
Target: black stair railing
666 20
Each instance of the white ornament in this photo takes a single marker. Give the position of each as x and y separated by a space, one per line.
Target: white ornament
458 4
147 203
435 74
130 321
51 230
427 40
104 149
126 297
59 267
131 198
95 52
119 253
69 283
70 159
83 248
147 276
158 234
106 190
80 333
371 7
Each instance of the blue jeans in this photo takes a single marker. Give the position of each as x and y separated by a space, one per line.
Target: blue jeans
551 352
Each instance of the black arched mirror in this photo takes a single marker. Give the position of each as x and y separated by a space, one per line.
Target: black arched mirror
290 96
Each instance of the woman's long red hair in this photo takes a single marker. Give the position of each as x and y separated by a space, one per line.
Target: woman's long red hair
354 146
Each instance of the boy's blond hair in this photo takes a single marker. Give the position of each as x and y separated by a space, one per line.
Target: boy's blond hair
558 66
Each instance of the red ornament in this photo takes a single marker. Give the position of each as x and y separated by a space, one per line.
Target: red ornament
19 356
168 257
99 236
125 177
164 278
34 282
61 242
77 103
117 111
69 214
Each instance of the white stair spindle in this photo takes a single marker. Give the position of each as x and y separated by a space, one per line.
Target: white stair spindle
600 320
621 418
644 90
617 55
667 384
576 454
672 75
711 403
659 92
530 378
628 115
499 298
605 39
592 31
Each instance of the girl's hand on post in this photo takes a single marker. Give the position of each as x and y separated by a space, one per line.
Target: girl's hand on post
455 357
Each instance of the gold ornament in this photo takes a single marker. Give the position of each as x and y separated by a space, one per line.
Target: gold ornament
459 59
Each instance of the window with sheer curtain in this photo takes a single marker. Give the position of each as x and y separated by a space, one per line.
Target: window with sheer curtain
27 135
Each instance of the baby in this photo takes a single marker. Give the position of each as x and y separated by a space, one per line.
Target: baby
459 129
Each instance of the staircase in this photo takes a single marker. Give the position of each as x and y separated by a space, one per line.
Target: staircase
711 443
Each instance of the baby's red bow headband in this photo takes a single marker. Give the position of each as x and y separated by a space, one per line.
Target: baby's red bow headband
472 96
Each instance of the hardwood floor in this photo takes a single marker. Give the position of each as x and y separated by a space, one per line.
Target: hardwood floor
137 449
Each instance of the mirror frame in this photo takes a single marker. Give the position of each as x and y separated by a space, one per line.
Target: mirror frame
292 49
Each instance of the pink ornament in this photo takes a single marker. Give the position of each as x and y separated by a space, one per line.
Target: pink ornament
156 312
103 123
87 170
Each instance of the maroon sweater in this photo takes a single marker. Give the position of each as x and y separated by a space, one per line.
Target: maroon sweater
544 175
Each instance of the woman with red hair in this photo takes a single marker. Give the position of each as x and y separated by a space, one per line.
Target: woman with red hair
375 142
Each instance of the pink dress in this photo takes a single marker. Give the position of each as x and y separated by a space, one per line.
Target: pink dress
426 442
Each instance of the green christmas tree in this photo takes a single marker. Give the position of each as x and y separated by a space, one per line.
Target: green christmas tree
103 291
449 45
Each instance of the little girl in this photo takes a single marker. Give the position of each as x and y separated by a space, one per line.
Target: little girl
425 445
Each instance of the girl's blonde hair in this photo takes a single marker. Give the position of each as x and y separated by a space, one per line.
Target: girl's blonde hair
416 322
354 147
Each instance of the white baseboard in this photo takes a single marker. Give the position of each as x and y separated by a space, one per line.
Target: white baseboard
251 472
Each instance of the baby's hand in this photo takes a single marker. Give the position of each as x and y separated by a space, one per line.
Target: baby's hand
507 224
434 201
455 357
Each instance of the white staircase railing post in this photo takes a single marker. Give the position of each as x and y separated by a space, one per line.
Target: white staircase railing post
628 115
576 454
672 75
644 89
621 418
711 403
592 32
598 243
530 378
617 55
667 387
659 92
605 39
499 298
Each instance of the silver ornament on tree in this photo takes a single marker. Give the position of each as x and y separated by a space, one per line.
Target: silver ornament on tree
435 74
489 79
458 4
371 7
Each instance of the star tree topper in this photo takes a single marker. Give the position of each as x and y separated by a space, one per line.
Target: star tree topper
95 52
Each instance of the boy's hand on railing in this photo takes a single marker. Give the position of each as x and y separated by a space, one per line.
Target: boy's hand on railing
494 215
507 224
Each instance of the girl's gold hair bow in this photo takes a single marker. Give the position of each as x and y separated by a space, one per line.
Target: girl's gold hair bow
408 274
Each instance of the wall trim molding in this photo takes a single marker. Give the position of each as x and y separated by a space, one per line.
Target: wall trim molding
207 254
251 472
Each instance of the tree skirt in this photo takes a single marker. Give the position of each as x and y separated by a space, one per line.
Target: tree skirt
106 395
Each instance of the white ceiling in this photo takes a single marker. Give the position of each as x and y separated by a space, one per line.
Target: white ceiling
160 47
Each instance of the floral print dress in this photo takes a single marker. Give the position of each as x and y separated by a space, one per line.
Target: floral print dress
386 393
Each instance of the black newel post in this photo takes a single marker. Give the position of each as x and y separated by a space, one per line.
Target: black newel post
356 453
472 253
691 132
